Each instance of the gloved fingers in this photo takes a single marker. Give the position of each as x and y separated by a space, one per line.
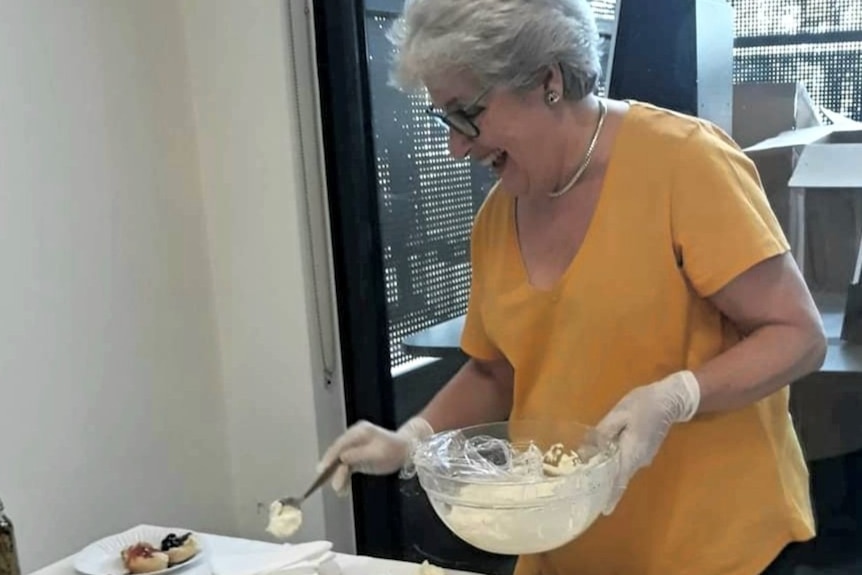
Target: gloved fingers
612 424
616 419
378 458
363 458
626 468
631 455
357 434
340 481
416 429
616 495
621 483
593 442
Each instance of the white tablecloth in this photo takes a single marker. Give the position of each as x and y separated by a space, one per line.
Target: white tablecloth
349 564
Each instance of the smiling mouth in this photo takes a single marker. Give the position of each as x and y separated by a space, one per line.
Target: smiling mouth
495 160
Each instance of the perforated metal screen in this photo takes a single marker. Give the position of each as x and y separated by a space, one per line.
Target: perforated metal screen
811 41
756 18
604 8
832 73
427 203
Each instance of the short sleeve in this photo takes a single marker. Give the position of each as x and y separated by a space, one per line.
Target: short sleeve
474 339
722 223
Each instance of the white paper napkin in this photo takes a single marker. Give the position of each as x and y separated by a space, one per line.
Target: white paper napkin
315 558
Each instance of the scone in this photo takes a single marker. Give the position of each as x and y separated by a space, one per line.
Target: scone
144 558
180 549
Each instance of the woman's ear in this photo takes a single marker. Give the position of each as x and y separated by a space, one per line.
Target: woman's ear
553 79
553 86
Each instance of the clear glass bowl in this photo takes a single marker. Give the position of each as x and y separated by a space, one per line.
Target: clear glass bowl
490 487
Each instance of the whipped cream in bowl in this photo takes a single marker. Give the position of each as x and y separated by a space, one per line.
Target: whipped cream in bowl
518 487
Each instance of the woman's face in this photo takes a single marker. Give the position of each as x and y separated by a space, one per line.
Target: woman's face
517 136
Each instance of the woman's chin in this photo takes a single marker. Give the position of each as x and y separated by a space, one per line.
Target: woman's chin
511 179
512 186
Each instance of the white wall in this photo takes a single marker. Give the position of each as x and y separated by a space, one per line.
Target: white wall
252 97
112 409
158 342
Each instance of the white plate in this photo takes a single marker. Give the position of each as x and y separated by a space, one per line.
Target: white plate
103 556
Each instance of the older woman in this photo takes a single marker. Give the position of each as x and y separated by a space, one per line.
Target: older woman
627 272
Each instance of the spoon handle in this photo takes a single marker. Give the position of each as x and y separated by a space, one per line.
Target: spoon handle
322 478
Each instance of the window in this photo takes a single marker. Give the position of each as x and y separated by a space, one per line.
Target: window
817 42
427 202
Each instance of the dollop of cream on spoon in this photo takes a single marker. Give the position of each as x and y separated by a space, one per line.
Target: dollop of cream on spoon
284 520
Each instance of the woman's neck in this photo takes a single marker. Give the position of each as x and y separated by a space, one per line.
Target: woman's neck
580 131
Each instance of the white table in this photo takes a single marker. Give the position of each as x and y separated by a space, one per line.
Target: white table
350 564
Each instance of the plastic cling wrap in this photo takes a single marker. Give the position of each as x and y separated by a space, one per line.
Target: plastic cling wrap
480 458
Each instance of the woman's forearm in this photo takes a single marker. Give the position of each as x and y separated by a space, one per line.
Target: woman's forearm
768 359
481 392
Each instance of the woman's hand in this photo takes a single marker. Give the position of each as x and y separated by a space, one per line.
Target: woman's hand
370 449
642 419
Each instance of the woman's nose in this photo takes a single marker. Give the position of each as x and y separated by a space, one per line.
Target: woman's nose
459 144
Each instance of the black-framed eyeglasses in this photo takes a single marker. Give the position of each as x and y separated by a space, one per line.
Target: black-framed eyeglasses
461 120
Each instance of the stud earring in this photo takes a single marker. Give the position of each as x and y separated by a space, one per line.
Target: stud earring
552 97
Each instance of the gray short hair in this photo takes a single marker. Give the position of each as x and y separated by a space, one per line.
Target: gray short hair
507 43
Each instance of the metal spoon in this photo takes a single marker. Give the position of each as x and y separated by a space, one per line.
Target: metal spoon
321 479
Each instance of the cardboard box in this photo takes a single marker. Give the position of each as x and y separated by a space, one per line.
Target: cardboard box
762 110
813 177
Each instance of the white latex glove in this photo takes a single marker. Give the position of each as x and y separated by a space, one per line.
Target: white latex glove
642 419
373 450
